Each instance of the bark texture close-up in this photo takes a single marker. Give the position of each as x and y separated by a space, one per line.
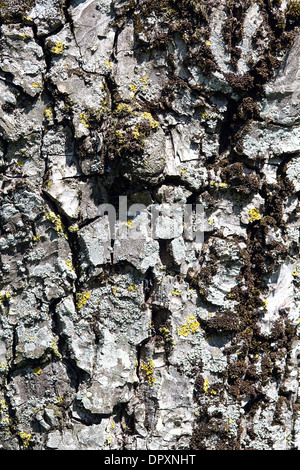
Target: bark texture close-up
145 329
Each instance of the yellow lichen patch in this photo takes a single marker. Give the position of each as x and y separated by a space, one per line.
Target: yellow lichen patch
36 238
210 221
183 330
54 347
109 64
144 81
176 292
37 370
166 334
191 326
164 331
82 298
148 117
23 36
192 323
295 272
130 224
115 290
48 114
123 107
73 228
70 265
36 85
132 87
84 120
253 215
58 48
206 385
3 405
56 220
132 287
149 369
60 400
5 296
120 136
26 438
265 304
3 366
136 133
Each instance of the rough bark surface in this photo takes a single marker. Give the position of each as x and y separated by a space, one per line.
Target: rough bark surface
149 342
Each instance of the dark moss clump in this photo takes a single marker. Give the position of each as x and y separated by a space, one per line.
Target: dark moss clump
13 11
233 28
227 322
293 12
264 69
241 378
275 196
8 107
188 18
203 58
241 83
247 109
216 429
234 173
